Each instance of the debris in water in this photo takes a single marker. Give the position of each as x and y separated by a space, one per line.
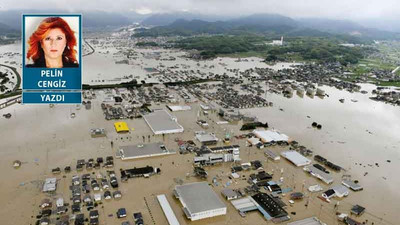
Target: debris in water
17 164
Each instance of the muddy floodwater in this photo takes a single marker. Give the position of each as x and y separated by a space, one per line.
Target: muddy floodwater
359 135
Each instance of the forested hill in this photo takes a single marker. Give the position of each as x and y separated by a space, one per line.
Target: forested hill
269 24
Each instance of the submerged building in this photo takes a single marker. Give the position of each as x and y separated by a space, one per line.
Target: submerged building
270 207
142 151
199 201
161 122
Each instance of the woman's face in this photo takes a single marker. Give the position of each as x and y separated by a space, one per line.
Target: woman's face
53 44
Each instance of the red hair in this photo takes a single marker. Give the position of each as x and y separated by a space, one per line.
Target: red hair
35 51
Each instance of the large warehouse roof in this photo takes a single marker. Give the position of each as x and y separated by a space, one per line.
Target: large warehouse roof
161 122
269 135
198 197
143 151
296 158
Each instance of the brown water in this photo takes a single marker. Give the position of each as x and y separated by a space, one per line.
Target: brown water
363 132
353 133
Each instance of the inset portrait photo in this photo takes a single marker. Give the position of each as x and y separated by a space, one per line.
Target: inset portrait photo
51 41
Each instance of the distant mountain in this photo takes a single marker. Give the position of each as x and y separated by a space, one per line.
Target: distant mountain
332 26
260 23
268 24
163 19
265 20
347 27
392 25
5 29
89 18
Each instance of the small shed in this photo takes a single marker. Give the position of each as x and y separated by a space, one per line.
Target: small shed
121 127
357 210
229 194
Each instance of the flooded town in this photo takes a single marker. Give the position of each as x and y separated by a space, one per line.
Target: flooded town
165 135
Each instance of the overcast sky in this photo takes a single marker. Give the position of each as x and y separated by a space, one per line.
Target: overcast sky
338 9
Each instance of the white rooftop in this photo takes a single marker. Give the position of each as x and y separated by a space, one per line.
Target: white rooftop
296 158
161 122
175 108
169 213
50 184
327 178
205 137
198 197
142 151
244 204
352 185
269 135
340 190
253 140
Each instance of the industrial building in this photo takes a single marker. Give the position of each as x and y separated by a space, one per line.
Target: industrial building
268 136
230 149
231 154
206 138
327 178
244 205
295 158
161 122
270 208
199 201
267 205
142 151
209 159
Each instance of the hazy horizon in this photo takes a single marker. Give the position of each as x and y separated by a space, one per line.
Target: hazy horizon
381 15
340 9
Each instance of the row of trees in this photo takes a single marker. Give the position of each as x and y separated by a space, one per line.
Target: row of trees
215 45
